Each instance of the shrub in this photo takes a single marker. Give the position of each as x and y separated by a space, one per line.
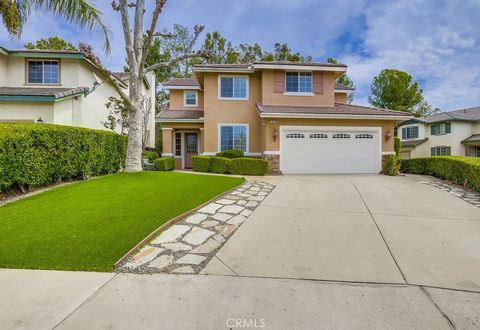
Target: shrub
150 155
164 164
461 170
233 153
396 145
40 154
201 163
248 166
219 165
392 165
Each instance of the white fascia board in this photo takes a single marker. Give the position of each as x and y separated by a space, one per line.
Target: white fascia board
224 70
182 87
330 116
159 120
301 67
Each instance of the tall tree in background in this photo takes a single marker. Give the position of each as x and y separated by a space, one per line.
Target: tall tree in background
344 79
51 43
282 52
14 14
396 90
221 51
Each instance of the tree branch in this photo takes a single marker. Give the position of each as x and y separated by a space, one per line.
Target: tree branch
200 53
138 30
122 7
150 32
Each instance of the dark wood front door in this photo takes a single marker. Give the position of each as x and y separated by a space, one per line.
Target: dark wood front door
191 148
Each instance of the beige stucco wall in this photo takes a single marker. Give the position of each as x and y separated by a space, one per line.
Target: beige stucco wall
231 112
271 145
3 70
176 100
340 97
324 99
27 111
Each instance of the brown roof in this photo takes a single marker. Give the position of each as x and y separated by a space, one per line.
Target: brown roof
47 91
412 143
300 63
182 82
337 109
122 76
167 114
249 65
340 86
472 138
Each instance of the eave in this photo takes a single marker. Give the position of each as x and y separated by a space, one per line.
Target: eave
329 116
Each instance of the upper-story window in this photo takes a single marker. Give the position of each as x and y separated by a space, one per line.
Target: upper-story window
409 133
43 72
298 82
233 88
441 129
190 98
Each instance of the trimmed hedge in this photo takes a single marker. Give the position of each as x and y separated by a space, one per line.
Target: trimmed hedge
164 164
41 154
240 166
150 155
461 170
392 165
396 145
233 153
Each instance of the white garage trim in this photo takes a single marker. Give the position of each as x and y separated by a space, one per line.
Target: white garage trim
377 130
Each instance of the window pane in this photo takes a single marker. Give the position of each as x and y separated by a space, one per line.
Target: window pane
240 87
226 138
50 72
291 82
305 82
190 98
240 138
35 72
178 144
226 87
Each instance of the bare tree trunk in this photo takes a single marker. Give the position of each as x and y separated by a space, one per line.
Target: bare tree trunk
133 162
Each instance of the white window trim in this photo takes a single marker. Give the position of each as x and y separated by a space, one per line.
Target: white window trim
43 71
233 98
298 93
219 135
406 127
185 98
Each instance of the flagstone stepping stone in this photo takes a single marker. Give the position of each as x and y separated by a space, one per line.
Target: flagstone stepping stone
254 189
225 201
246 213
161 262
244 195
175 247
232 209
242 202
209 223
196 218
184 270
210 208
222 217
226 230
262 193
252 204
256 198
218 238
190 259
234 197
146 254
197 236
236 220
171 234
206 247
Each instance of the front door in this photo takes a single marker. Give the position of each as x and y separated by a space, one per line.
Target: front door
191 148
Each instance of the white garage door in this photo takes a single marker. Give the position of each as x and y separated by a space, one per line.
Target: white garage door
319 150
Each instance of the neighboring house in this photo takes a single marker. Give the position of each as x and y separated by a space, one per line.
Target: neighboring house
292 114
455 133
60 87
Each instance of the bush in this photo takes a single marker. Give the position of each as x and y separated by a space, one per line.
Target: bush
150 155
248 166
164 164
461 170
201 163
392 165
41 154
219 165
396 145
233 153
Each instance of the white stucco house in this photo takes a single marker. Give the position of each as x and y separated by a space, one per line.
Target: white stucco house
455 133
60 87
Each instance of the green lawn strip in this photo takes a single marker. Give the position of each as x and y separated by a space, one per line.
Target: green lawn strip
91 224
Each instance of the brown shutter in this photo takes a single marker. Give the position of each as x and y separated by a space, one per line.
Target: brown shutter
318 82
278 81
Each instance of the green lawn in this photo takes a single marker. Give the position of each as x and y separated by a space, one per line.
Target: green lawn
91 224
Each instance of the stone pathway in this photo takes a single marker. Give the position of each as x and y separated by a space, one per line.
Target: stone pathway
467 195
187 246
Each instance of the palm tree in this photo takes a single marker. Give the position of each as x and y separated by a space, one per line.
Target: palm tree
14 14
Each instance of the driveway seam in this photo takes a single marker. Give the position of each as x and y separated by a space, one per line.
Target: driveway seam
309 209
93 295
426 217
429 297
380 232
236 274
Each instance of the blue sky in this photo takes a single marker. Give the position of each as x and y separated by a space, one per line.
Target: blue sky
436 41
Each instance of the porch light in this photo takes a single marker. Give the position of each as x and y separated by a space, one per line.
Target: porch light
388 135
275 134
40 120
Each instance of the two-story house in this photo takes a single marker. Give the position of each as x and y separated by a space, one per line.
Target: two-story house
60 87
455 133
292 114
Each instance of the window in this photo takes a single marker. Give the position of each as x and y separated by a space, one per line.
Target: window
441 129
233 137
178 144
190 98
298 82
409 133
235 88
295 136
341 136
364 136
43 72
318 136
441 151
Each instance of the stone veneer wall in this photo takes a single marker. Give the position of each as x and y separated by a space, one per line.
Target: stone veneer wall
273 164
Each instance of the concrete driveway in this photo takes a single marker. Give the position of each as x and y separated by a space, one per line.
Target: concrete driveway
358 228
